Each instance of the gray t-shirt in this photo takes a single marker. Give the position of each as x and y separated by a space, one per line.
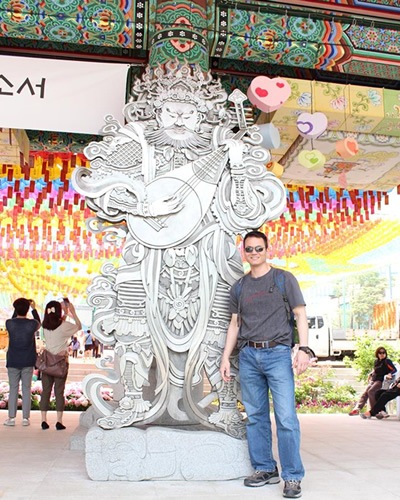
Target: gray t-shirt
262 308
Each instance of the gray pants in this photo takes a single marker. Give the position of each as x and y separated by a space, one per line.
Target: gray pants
15 375
369 394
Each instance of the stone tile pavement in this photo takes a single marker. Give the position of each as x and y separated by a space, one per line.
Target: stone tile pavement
345 458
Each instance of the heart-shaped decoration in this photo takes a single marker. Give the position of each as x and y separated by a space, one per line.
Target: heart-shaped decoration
347 148
268 94
312 125
313 160
261 92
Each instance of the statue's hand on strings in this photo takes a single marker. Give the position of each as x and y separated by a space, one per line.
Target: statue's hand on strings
235 150
164 206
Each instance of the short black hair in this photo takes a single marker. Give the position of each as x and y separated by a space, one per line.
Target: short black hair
256 234
21 306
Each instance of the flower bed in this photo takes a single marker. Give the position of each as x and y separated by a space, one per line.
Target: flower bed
315 392
75 400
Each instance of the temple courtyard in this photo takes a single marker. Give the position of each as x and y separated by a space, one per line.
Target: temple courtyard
345 458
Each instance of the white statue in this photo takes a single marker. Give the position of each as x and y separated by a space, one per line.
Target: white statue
176 184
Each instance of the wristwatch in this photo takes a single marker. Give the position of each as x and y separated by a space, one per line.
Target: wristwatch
307 350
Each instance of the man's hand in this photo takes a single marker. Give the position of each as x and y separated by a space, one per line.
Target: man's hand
225 369
301 362
165 206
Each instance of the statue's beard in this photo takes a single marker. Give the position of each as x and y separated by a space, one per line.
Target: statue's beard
159 137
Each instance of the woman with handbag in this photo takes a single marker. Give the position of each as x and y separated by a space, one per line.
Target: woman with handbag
57 334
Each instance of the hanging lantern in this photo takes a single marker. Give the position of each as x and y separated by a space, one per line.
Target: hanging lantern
311 125
347 148
268 94
312 160
342 180
270 135
276 168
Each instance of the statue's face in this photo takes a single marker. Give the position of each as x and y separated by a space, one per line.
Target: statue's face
179 120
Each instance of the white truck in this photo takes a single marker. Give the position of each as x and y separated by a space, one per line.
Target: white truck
328 342
335 342
325 341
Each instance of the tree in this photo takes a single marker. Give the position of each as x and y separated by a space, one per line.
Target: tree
359 296
371 291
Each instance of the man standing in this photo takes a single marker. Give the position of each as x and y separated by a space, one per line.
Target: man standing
21 357
260 327
88 344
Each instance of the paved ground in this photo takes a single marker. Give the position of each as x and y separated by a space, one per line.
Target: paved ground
345 458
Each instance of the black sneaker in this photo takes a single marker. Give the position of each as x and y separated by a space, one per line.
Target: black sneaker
292 489
261 477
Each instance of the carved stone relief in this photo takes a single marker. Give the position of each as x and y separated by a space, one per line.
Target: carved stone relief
174 185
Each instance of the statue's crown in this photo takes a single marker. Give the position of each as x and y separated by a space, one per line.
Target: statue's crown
174 82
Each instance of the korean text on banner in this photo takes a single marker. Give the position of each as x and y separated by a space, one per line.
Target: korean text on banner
61 96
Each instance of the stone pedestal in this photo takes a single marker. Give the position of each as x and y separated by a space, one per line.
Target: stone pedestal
160 453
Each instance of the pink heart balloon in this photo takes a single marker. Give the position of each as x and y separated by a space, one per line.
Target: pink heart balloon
268 94
312 125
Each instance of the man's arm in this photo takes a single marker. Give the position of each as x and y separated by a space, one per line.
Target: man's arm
35 314
230 344
301 361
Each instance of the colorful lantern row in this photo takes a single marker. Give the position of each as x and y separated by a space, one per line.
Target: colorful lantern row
45 246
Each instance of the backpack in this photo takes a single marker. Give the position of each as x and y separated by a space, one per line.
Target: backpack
279 281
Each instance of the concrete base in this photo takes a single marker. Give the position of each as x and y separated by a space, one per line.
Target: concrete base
159 453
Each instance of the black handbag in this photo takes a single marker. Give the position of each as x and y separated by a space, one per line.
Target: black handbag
55 365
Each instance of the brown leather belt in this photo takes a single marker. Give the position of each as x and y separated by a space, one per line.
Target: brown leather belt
262 345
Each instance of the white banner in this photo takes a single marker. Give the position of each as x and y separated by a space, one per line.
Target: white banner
61 96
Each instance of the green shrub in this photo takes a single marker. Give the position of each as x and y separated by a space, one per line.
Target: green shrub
364 356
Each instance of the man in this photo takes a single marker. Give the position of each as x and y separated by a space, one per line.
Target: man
260 327
88 344
21 357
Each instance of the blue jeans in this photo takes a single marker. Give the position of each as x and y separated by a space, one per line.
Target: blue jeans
262 370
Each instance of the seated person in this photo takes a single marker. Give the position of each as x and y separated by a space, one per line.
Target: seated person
383 397
383 367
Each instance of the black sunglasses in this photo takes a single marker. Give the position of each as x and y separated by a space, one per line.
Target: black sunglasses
381 352
257 249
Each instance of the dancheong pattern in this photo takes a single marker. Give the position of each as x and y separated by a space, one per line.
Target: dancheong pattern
87 22
232 35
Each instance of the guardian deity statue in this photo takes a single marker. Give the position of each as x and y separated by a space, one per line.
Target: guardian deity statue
174 186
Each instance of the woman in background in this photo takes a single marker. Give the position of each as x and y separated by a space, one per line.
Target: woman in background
21 357
383 367
57 333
